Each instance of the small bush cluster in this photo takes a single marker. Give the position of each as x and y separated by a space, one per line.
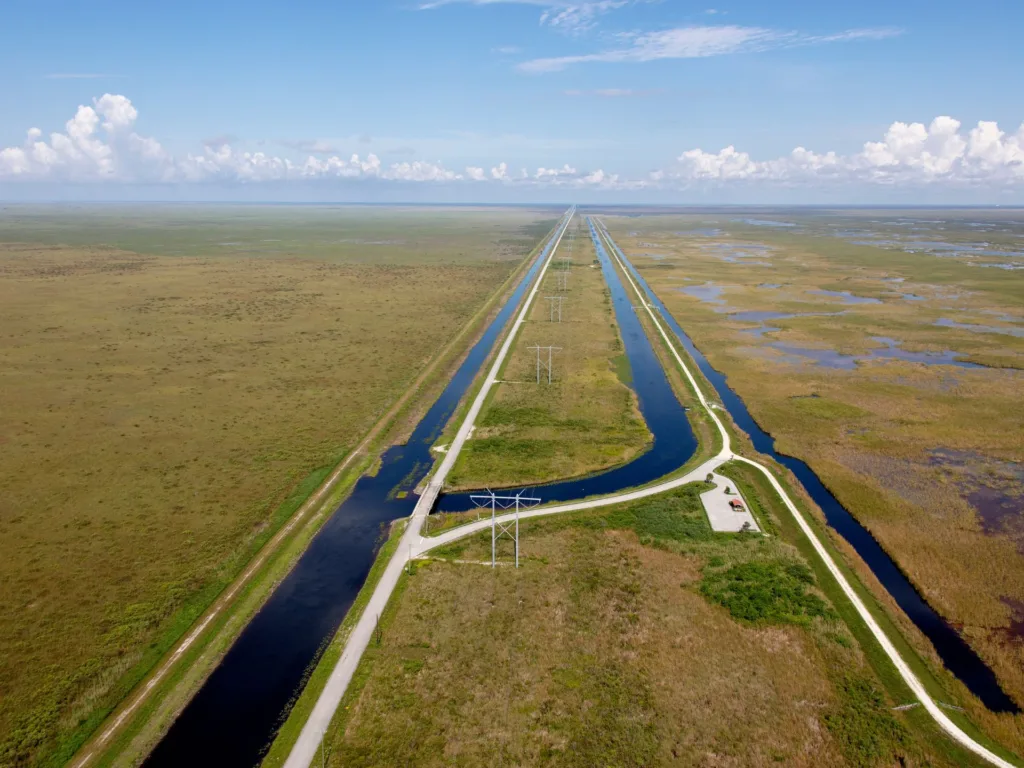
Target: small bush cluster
670 517
766 592
864 727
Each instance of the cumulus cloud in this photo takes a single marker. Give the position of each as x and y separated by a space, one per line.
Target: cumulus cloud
700 41
100 144
83 150
419 171
909 153
555 173
500 172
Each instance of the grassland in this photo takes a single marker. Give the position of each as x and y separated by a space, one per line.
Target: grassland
166 408
928 456
631 636
587 419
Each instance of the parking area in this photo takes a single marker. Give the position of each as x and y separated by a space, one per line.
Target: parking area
727 512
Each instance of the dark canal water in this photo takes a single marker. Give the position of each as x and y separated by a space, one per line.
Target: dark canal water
233 718
674 441
955 653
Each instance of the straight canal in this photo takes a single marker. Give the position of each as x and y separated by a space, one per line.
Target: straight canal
674 442
234 717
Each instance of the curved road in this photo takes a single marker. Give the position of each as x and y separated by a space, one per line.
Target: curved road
414 545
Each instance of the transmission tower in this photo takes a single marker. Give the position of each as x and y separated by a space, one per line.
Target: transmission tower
556 307
510 529
540 364
563 279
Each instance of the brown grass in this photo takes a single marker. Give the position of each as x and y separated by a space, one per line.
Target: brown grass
587 419
602 651
157 413
873 433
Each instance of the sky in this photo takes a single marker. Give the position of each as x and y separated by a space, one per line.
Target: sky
613 101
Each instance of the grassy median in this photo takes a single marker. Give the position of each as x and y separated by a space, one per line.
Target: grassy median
587 419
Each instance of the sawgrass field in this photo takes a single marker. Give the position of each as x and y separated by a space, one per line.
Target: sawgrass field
174 381
885 349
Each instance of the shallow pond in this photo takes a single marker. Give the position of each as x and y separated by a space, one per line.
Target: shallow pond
766 223
830 358
700 232
847 297
708 293
945 322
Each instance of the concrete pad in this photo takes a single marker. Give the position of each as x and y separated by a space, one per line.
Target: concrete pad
722 517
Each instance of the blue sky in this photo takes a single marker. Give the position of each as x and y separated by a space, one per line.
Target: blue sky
470 100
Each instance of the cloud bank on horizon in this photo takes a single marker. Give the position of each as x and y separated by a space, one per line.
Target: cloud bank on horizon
99 144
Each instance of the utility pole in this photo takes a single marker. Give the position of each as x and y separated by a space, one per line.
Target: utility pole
540 364
556 304
510 529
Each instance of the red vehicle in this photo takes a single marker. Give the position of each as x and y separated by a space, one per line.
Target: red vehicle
736 505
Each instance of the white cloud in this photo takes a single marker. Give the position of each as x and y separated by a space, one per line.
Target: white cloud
680 43
500 172
118 111
869 33
100 144
699 42
566 171
79 152
571 16
908 153
432 4
579 17
727 164
419 170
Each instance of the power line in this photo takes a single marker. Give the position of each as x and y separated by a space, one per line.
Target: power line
510 529
540 364
556 307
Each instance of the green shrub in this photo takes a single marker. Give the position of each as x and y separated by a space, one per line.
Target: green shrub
671 517
772 592
863 726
